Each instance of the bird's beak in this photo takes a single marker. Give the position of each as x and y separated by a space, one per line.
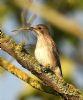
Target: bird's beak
31 28
34 29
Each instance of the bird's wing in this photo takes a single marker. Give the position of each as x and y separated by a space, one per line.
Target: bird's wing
55 50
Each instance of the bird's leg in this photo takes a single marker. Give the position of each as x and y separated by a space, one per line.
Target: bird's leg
55 70
47 69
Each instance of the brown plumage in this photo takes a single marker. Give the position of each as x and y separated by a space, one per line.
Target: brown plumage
46 52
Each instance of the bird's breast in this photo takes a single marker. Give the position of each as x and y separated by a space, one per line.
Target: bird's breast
45 56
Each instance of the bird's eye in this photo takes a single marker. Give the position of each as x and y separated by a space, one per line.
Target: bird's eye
39 28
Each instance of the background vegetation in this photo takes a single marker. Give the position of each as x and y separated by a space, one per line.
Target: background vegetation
69 42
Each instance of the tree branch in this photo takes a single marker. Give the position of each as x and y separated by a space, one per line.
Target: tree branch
25 77
66 90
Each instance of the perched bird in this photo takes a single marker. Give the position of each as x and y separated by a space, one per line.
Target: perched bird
46 51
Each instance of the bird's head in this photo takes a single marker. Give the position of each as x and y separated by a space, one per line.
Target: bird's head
40 29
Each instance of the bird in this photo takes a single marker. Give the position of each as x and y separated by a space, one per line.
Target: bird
46 52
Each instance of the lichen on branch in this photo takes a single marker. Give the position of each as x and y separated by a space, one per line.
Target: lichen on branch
24 76
66 90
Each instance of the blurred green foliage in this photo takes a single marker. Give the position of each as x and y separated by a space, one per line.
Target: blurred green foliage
64 6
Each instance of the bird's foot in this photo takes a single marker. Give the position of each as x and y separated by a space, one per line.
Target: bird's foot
47 69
